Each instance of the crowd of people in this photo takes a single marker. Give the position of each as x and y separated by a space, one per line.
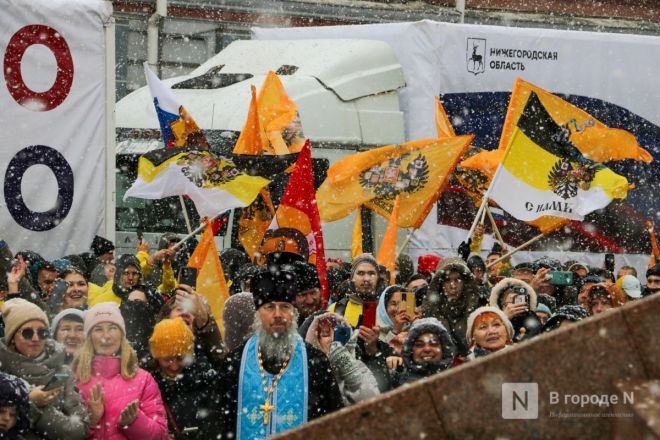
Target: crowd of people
101 346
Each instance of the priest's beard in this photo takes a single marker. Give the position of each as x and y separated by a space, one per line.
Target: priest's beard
275 347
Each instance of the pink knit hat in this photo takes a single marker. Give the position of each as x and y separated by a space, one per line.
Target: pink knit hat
103 312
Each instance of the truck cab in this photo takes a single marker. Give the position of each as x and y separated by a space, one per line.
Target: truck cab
347 92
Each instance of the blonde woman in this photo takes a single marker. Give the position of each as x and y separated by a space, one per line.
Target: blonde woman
123 400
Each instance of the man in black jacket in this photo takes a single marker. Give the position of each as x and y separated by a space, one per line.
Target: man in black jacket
275 381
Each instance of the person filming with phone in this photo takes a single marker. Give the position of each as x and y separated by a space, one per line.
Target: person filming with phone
28 352
331 334
518 301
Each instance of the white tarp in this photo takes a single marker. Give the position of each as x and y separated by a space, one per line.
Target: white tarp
442 58
53 124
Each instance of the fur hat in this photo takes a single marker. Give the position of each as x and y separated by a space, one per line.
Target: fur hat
171 337
480 311
501 287
569 312
363 258
428 325
273 286
103 312
17 312
101 246
307 276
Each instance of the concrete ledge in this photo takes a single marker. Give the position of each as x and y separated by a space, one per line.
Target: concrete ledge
466 402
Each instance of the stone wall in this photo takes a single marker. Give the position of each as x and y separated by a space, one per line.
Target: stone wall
578 362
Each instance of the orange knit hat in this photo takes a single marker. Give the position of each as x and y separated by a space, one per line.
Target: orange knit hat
171 337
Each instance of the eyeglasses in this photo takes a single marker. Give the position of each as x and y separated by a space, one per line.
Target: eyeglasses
28 333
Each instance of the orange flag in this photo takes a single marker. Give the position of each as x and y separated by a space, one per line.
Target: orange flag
210 277
279 117
442 123
417 171
387 252
252 139
655 251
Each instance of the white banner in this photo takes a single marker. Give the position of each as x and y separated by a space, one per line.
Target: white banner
477 62
53 124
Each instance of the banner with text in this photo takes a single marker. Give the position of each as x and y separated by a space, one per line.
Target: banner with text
472 68
53 123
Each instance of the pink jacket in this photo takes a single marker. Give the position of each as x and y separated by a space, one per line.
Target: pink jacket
150 422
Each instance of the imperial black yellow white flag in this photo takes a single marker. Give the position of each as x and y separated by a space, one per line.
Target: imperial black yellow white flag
213 183
543 173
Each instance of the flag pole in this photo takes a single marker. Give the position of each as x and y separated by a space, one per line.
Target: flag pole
477 218
199 229
495 228
185 214
405 242
519 248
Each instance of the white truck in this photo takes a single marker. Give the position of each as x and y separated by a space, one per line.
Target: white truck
347 97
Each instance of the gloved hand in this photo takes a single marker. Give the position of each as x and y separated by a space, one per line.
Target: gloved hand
345 366
464 249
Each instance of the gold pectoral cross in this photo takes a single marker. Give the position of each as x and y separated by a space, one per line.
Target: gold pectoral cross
266 408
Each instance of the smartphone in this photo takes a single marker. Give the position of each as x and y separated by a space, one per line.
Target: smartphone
560 278
369 314
409 299
188 276
520 299
342 334
609 262
56 381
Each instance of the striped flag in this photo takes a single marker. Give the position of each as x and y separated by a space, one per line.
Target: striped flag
213 183
178 128
543 173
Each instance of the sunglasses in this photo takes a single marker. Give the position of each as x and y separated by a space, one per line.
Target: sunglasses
28 333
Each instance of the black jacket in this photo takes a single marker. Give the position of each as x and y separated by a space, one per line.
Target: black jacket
192 402
324 396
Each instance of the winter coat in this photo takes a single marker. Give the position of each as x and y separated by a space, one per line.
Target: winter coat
356 382
65 417
411 370
150 423
452 314
191 401
324 396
